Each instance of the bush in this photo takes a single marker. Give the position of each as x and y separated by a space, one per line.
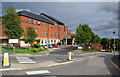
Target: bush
85 49
33 49
37 45
41 48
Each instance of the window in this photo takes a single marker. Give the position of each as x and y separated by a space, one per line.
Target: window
51 41
42 24
54 41
45 41
42 32
47 25
42 41
55 27
60 28
28 20
39 23
54 34
46 33
34 21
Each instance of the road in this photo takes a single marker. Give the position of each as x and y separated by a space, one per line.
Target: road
64 50
98 64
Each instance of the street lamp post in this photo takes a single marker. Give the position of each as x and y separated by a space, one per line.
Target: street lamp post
114 43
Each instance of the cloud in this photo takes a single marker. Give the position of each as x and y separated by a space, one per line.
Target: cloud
101 16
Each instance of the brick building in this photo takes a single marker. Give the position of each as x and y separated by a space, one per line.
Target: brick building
49 29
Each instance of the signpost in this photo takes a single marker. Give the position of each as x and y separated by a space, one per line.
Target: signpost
13 41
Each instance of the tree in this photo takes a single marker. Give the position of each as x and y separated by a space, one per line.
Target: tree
84 34
105 42
30 35
95 39
12 26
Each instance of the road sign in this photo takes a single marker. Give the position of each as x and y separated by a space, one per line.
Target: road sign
13 41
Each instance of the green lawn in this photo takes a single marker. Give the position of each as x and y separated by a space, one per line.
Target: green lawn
17 50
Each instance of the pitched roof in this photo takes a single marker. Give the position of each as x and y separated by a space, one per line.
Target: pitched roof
52 18
35 16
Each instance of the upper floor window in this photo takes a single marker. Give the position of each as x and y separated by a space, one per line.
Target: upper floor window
46 33
47 25
60 28
34 21
42 24
55 27
39 23
28 20
54 34
42 32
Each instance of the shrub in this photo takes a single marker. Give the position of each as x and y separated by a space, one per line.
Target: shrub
33 49
85 49
41 48
37 45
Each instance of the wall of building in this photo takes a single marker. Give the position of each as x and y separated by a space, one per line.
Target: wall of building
46 33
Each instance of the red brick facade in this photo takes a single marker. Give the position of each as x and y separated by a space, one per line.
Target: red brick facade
45 30
97 46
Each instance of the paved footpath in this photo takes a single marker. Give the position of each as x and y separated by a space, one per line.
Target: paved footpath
28 61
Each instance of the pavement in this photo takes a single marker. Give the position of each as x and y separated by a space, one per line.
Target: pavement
116 60
43 59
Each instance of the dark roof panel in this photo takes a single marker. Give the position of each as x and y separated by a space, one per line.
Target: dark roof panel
52 18
35 16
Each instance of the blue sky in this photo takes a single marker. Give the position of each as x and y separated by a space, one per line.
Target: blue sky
101 16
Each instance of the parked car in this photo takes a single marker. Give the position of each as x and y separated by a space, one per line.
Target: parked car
54 45
46 47
49 45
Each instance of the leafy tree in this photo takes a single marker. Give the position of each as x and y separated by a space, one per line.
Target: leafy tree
84 34
105 42
12 26
30 35
95 39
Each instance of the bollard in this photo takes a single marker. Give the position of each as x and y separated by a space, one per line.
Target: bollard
47 53
6 60
69 56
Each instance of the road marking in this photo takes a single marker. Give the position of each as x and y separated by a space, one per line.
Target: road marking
24 60
37 72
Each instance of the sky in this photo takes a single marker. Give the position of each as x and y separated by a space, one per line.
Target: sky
102 17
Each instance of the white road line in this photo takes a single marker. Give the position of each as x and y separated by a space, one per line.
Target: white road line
37 72
25 62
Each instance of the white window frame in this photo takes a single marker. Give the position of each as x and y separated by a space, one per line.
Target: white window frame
39 23
34 21
28 20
